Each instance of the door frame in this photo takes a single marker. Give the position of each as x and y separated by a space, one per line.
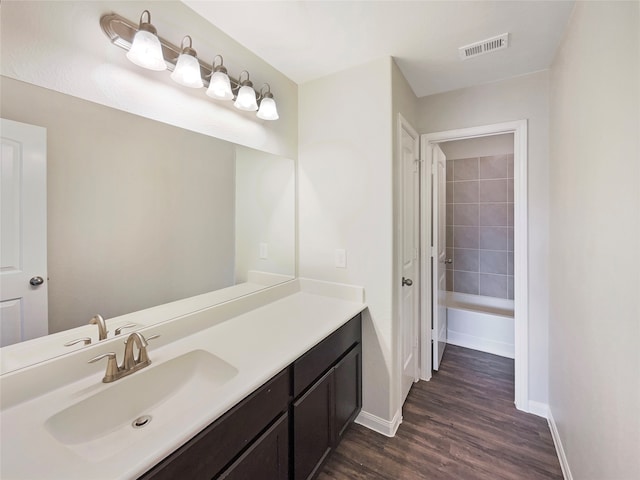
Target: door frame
436 250
521 283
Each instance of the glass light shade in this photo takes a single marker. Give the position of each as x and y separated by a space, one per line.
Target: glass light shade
246 99
268 110
220 86
146 51
187 71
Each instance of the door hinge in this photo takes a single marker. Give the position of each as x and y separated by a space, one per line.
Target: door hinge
433 251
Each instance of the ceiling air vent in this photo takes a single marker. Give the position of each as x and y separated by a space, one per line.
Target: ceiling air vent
484 46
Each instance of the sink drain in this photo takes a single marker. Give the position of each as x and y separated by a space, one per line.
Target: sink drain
142 421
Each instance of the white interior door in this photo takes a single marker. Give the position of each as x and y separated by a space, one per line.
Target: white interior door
410 291
439 333
23 232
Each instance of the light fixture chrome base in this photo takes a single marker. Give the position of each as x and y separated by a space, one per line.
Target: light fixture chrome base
121 32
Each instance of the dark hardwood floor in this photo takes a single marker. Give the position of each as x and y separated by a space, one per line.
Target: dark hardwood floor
460 425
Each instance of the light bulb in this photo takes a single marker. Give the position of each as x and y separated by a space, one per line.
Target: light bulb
187 71
146 50
220 86
246 99
268 110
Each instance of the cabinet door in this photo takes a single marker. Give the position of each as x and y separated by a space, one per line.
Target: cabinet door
313 427
348 391
267 458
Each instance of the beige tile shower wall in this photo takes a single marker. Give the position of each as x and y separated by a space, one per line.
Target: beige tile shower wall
480 225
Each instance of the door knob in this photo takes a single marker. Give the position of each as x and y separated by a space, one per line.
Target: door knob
407 282
35 281
448 260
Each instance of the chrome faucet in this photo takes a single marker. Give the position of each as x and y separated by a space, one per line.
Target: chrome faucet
102 326
130 363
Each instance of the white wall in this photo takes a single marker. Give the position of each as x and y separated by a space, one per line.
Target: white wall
524 97
594 378
345 202
265 213
60 45
139 212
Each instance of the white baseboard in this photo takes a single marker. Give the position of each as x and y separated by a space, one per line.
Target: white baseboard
380 425
564 464
481 344
538 408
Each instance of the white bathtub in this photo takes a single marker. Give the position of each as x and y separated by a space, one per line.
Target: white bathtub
480 323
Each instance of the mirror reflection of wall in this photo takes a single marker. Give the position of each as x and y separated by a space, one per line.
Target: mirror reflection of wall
142 213
265 209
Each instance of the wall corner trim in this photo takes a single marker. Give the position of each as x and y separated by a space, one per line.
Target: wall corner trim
564 464
380 425
538 408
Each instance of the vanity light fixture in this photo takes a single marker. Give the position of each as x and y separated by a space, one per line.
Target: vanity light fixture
187 71
268 110
146 50
246 99
184 64
219 84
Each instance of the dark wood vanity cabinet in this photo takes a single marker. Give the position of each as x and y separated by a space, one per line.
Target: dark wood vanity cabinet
348 393
313 427
286 428
325 406
207 454
267 458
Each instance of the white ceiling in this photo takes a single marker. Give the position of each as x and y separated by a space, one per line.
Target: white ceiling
306 40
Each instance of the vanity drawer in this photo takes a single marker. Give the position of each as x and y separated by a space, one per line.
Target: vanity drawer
323 356
205 455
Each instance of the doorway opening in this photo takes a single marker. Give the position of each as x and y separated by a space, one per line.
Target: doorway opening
435 260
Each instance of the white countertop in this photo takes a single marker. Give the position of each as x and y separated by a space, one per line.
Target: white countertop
259 343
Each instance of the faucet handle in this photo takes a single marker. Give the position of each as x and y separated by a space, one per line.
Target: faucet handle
118 330
86 340
111 373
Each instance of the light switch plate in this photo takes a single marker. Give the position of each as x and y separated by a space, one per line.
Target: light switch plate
341 258
264 251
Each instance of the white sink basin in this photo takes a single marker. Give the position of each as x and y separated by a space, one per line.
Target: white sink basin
100 426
